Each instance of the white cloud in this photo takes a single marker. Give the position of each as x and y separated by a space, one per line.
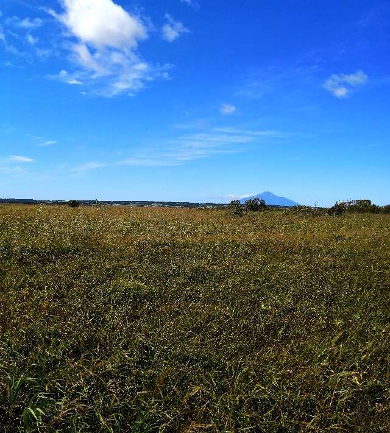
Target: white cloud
2 35
26 23
31 40
43 53
172 29
65 77
102 24
227 109
48 143
237 197
265 133
104 51
17 158
192 3
342 85
82 169
75 82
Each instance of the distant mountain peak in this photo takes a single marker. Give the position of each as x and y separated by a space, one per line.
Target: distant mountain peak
272 200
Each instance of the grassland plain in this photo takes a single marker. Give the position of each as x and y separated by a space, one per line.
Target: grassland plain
178 320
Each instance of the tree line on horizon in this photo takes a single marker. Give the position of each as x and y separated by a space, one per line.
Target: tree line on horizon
339 208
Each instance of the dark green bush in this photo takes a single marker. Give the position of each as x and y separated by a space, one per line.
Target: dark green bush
338 208
363 206
73 203
255 205
236 208
353 206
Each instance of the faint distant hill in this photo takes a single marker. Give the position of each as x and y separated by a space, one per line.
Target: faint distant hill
272 199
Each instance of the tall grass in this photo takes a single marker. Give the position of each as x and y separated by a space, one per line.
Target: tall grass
146 320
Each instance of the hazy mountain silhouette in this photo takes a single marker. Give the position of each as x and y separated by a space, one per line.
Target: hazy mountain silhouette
272 199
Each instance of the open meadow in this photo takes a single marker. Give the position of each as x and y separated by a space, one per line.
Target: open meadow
193 320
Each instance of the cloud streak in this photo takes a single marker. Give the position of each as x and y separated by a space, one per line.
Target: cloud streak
26 23
48 143
237 197
10 165
195 146
2 35
17 158
90 166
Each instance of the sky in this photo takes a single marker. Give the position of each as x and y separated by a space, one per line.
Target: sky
195 100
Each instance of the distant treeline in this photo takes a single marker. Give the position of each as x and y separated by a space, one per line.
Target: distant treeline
357 206
343 207
75 203
339 208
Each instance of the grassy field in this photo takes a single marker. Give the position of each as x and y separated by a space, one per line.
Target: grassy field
177 320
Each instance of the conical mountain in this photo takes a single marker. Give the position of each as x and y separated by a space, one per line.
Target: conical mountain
272 199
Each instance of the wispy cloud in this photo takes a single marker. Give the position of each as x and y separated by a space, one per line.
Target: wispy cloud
10 170
17 158
2 35
172 29
31 40
85 168
282 79
192 3
7 129
199 145
342 85
265 133
376 19
105 54
20 40
25 23
48 143
236 197
11 164
264 81
227 109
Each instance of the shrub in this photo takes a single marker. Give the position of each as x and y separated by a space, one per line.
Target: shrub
73 203
338 208
363 206
255 205
236 208
353 206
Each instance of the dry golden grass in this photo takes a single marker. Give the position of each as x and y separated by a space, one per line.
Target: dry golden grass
179 320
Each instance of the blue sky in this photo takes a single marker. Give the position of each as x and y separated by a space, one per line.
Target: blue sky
195 100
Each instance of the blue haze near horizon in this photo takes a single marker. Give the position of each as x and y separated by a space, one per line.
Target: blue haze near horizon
184 100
